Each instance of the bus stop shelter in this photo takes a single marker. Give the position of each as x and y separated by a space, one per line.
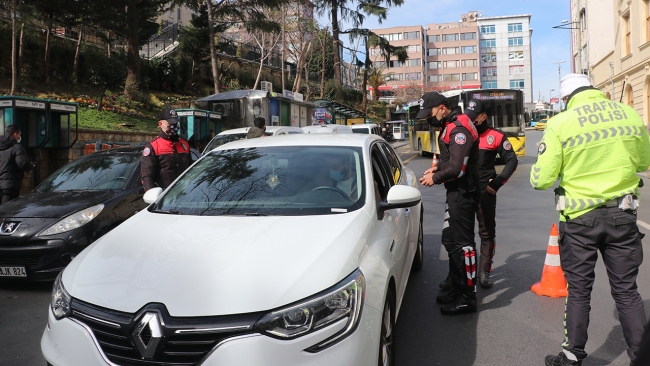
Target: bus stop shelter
330 112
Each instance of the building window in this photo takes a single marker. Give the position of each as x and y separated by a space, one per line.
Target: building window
413 76
450 64
396 77
375 52
517 84
450 50
488 29
583 21
469 63
468 49
450 37
467 36
414 62
392 36
411 35
379 64
486 43
515 41
432 39
489 71
489 85
433 51
178 14
647 20
627 46
171 13
413 49
396 63
489 57
470 76
435 78
516 70
435 64
451 77
516 55
515 27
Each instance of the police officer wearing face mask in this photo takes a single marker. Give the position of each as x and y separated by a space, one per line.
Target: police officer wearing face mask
13 163
457 169
167 156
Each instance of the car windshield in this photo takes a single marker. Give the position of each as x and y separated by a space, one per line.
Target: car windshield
278 180
361 130
224 139
92 172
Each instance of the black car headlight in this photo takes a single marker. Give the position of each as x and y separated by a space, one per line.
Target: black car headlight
60 299
344 300
75 220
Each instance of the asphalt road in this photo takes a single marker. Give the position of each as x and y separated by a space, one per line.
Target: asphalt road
513 327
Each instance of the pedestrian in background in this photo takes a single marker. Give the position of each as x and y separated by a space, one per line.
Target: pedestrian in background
259 126
491 142
14 162
167 156
596 147
457 169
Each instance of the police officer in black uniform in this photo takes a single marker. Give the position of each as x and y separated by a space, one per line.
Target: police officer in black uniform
491 142
457 169
167 156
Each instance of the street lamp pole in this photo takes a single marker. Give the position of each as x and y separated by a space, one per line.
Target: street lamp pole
559 78
549 97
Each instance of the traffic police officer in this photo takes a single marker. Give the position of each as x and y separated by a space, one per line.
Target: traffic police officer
491 142
167 156
457 170
596 147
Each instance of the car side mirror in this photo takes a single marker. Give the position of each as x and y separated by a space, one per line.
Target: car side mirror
400 197
152 195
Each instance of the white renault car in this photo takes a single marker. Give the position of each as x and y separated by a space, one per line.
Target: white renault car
294 250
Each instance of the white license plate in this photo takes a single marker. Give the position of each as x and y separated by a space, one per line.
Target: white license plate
12 272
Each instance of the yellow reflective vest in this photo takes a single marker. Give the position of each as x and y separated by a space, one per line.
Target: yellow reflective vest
595 147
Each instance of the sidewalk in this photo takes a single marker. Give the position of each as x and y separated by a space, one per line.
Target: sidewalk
398 144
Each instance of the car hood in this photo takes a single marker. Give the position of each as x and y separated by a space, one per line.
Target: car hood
199 266
53 204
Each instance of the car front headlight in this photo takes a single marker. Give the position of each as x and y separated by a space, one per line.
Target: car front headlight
75 220
344 300
60 299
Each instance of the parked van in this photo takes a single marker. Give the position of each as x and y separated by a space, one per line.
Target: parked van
240 134
367 129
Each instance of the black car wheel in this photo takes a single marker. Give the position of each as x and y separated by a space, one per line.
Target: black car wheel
387 338
420 148
418 259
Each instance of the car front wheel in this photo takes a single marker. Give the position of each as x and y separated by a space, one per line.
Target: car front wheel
418 259
420 148
386 340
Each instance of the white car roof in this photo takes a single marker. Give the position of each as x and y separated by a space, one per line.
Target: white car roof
327 129
307 139
364 125
269 129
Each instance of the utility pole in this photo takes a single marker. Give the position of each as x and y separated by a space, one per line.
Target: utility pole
559 80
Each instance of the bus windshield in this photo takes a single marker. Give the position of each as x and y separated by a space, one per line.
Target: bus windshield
541 114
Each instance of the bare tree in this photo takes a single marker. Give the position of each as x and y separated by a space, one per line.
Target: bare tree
14 74
266 41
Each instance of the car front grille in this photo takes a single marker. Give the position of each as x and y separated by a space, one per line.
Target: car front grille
27 261
113 331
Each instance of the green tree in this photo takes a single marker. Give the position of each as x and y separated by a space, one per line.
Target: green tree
375 78
107 73
353 11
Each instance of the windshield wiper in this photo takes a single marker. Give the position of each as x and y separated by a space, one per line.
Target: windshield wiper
170 212
254 214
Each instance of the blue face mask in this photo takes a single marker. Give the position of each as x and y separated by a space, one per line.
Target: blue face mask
336 175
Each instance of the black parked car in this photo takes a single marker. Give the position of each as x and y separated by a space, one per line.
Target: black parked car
41 232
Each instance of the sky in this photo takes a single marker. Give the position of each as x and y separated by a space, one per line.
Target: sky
548 44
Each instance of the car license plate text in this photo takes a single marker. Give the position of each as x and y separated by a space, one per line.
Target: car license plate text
12 272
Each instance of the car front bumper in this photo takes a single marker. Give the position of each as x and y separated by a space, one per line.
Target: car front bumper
67 342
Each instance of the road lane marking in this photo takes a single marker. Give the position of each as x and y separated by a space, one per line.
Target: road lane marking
409 159
645 225
443 253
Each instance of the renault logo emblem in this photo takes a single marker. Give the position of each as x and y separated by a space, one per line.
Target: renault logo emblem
147 335
8 227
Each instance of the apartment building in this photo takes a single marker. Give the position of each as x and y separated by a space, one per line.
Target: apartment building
176 14
506 57
624 72
412 72
452 54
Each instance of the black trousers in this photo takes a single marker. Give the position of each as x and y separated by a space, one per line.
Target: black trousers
458 237
486 215
615 234
7 195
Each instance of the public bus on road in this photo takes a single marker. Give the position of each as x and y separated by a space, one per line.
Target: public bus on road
505 108
539 115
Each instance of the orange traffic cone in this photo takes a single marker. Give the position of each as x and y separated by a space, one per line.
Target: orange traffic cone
553 283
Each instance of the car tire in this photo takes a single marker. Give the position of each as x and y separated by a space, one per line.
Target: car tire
418 259
420 148
387 336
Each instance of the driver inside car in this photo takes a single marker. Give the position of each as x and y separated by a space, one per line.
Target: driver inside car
338 173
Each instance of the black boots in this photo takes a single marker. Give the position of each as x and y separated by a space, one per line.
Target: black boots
484 279
463 304
560 360
448 297
447 283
